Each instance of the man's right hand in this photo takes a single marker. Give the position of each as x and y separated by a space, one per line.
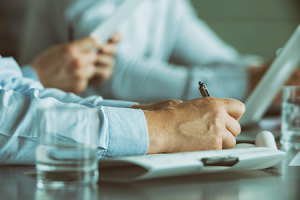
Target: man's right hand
201 124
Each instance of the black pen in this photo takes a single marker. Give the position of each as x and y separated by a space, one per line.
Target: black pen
203 90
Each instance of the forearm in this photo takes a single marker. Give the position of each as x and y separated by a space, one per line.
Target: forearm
19 103
122 131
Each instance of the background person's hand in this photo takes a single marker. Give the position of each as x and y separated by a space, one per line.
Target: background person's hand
69 66
106 61
201 124
156 106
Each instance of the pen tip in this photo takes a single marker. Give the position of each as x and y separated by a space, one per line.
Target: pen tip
200 83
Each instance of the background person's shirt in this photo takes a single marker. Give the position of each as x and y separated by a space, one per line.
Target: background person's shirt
122 131
154 34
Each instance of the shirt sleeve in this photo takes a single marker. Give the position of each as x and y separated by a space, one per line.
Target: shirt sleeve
29 72
196 43
122 131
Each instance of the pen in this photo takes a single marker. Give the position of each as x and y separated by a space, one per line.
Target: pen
203 90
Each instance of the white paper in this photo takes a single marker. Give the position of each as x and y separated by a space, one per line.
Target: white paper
295 161
106 29
133 168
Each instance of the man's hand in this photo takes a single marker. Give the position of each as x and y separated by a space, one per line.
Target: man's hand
156 106
106 62
71 67
201 124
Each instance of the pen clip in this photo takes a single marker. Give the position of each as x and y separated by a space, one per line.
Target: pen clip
228 161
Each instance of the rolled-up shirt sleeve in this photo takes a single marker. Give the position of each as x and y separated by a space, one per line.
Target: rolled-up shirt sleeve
122 131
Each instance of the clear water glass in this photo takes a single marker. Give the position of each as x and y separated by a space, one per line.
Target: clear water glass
74 192
67 147
290 124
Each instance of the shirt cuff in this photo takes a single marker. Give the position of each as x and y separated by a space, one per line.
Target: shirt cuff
29 72
128 132
118 103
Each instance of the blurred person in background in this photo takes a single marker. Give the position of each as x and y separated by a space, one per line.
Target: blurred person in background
165 50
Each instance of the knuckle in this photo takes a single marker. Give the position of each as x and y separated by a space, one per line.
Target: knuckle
238 130
232 144
217 144
243 107
171 102
76 63
218 114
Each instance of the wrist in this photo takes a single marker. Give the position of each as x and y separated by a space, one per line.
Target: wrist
158 131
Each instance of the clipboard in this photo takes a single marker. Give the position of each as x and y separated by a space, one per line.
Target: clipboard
136 168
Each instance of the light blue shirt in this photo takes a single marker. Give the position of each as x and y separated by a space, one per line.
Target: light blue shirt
155 33
123 131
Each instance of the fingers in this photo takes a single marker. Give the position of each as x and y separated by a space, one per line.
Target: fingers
78 62
86 44
234 108
229 141
85 73
233 126
104 60
109 49
115 38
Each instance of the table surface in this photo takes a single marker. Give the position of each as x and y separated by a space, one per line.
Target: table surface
279 182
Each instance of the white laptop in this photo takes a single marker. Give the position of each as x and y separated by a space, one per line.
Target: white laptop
278 73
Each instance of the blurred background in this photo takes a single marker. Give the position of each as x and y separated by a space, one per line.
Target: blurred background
251 26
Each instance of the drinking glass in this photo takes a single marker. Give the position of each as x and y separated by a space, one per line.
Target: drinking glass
290 124
74 192
67 147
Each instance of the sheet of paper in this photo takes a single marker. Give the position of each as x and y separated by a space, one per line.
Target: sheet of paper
296 161
106 29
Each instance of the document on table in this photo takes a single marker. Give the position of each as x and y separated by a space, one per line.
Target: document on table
134 168
296 161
